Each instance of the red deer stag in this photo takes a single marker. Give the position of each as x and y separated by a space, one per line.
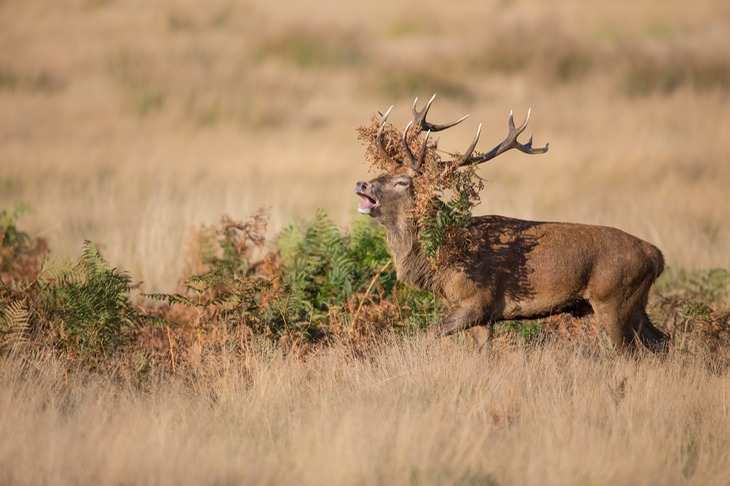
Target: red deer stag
510 268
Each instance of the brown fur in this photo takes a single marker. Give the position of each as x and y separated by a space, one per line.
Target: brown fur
515 269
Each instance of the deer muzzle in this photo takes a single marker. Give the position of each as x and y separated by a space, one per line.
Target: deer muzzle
368 203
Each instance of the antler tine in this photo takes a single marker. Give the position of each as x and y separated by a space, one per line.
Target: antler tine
422 154
379 138
419 118
522 127
464 159
510 142
469 151
409 154
423 112
415 162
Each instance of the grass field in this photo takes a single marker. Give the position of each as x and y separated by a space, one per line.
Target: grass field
132 124
411 413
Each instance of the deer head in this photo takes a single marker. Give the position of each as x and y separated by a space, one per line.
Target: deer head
389 197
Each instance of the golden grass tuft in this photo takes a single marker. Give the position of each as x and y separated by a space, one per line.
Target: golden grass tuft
409 411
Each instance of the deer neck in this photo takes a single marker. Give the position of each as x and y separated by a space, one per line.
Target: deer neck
412 265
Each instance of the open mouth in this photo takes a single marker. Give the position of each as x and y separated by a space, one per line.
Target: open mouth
367 204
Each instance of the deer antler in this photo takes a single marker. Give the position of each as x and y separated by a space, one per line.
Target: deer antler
419 120
379 138
415 162
509 143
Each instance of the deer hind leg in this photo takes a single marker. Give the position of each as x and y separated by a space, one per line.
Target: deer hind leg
617 322
644 331
624 318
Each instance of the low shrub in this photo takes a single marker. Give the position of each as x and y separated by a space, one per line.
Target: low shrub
313 286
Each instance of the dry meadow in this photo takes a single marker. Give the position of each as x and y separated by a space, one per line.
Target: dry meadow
133 123
411 413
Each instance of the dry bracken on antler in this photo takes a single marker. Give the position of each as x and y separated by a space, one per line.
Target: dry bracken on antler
442 224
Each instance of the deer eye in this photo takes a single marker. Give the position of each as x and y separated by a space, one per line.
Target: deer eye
402 184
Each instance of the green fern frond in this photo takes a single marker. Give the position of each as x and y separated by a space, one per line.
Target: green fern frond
90 302
92 259
287 242
61 272
9 234
170 299
207 245
14 325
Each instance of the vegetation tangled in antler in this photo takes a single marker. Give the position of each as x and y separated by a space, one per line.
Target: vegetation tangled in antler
444 196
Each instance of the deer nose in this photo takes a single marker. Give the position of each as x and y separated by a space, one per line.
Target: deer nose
361 186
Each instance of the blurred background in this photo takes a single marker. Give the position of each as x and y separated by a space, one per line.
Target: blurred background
131 123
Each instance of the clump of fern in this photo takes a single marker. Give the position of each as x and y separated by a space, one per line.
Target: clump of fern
21 257
224 285
344 283
21 254
10 235
81 307
323 267
315 281
86 304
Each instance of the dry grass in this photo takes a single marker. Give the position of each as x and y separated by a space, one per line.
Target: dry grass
411 412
